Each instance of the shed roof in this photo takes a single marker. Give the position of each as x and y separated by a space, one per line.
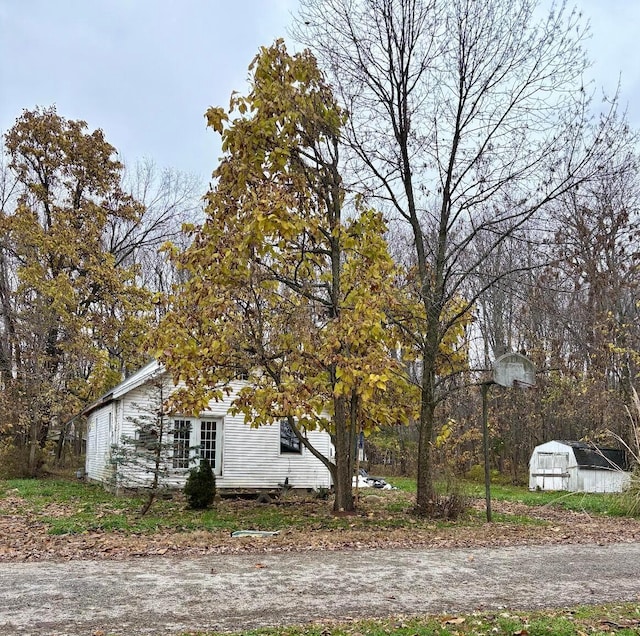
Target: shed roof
594 457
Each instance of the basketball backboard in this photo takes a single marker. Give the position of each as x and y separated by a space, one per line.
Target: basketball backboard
514 369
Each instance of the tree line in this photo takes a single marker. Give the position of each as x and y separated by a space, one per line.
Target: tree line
81 280
424 187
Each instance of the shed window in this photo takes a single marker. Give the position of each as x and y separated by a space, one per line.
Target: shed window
549 461
289 443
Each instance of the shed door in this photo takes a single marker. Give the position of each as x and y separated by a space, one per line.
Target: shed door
552 471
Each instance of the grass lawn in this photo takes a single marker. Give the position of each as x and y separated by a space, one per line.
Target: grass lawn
74 507
622 619
595 503
71 507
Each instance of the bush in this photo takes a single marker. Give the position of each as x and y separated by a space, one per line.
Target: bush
476 474
200 489
14 460
453 503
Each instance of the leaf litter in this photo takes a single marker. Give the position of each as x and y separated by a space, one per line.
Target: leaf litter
24 536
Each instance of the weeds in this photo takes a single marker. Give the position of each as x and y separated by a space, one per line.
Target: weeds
628 502
622 619
453 503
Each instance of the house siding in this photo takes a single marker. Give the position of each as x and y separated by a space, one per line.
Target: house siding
250 457
136 407
100 430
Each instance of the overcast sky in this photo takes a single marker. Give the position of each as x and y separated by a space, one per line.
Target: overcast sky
146 70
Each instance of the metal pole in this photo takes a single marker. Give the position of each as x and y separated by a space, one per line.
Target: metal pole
485 439
358 471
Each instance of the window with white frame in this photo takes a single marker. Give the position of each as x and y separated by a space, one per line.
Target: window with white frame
209 441
181 443
195 439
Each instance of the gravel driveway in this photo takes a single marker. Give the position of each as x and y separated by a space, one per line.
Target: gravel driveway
163 595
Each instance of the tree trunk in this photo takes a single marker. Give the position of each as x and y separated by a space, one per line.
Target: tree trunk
34 450
425 495
344 459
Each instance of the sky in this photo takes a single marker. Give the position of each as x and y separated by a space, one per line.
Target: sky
145 71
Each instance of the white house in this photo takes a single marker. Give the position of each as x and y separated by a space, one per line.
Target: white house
578 467
242 457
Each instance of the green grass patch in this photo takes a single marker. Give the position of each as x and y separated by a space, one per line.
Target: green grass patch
612 504
40 492
623 619
595 503
406 484
68 507
72 507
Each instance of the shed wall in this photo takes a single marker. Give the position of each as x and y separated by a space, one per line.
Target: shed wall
602 480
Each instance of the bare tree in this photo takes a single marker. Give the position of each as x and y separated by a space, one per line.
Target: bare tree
467 120
170 199
8 193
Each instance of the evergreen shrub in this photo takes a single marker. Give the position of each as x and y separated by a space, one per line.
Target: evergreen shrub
200 489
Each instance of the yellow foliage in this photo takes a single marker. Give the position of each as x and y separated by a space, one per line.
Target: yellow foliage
278 283
72 301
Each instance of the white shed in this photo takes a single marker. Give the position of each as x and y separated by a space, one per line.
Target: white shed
578 467
242 457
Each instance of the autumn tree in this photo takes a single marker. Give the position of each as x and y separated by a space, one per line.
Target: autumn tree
467 121
287 280
66 303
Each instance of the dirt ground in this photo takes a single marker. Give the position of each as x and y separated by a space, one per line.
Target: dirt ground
163 584
165 596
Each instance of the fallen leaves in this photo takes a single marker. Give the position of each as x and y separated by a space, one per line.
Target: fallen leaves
24 537
457 620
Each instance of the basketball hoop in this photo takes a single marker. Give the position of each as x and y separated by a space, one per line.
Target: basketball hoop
509 370
514 370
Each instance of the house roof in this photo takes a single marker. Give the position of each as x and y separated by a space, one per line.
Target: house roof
594 457
141 376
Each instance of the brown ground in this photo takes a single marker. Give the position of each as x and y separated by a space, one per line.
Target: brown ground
22 539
